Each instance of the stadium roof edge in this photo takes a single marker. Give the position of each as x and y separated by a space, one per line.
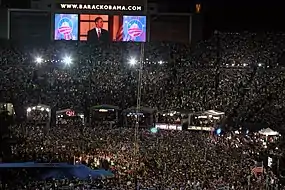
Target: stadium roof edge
171 14
30 10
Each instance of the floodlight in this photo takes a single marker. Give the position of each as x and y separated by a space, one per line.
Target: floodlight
39 60
132 61
160 62
29 109
67 60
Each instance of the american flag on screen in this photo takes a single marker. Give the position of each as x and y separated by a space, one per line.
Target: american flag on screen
120 35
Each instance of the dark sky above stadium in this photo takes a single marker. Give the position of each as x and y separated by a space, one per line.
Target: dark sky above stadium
230 15
236 15
246 15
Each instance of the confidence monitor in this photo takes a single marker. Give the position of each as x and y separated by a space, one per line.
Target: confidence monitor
96 28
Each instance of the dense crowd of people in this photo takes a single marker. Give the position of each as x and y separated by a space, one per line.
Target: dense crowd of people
240 74
165 160
230 72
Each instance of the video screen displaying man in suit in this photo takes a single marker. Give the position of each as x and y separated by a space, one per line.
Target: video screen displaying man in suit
98 28
98 34
92 24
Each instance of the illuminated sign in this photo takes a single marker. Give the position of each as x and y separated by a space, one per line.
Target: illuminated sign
168 126
113 27
70 113
103 110
198 8
66 27
101 7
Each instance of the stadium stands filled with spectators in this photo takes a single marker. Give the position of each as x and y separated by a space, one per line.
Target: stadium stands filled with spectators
236 73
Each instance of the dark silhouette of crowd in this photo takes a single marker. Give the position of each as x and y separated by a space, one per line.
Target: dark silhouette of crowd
240 74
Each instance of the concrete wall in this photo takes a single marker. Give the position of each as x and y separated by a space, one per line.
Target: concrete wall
3 23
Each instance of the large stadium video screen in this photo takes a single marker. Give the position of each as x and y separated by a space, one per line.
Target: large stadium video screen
96 28
66 27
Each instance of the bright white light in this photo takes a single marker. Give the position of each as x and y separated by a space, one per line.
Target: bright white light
160 62
259 64
34 108
67 60
42 109
39 60
133 61
29 110
47 109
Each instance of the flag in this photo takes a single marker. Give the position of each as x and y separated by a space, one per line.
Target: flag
257 169
120 34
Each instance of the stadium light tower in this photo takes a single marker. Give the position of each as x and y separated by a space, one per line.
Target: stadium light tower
67 60
39 60
138 107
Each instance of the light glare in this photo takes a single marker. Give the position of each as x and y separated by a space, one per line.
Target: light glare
39 60
133 61
67 60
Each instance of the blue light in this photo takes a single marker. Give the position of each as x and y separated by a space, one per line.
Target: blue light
218 131
154 130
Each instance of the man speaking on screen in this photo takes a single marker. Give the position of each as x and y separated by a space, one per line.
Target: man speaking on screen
98 34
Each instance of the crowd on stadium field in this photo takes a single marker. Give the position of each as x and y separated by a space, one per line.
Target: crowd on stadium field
166 159
239 74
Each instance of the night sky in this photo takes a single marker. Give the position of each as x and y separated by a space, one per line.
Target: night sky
246 15
236 15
